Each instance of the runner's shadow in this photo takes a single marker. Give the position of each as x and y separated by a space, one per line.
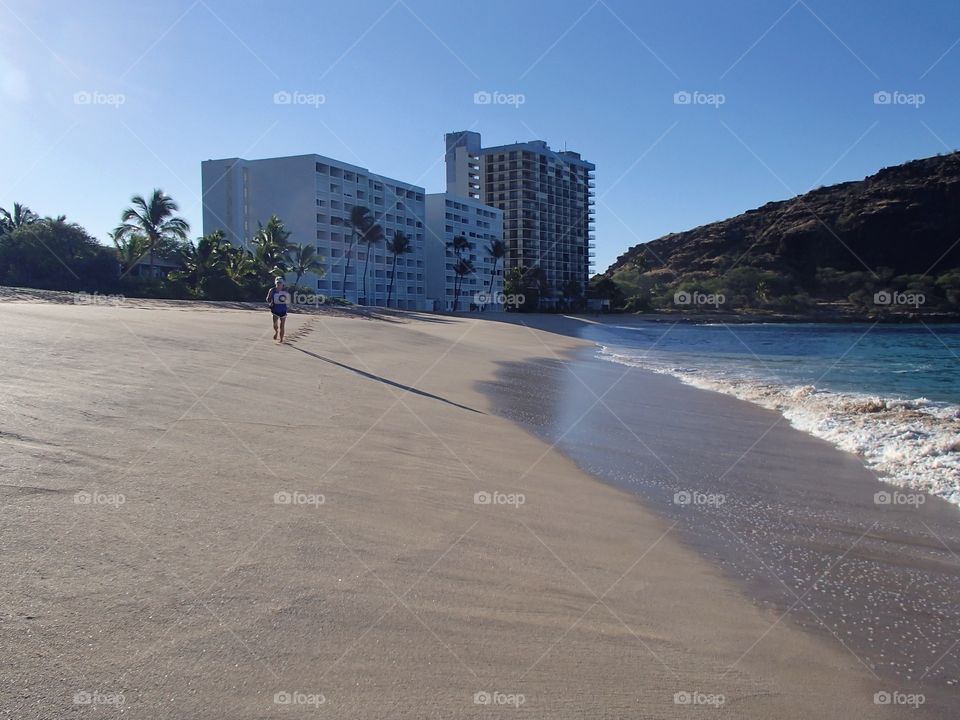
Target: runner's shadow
385 381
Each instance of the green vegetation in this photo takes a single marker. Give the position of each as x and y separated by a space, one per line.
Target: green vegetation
154 223
498 251
52 254
399 244
150 257
751 289
462 267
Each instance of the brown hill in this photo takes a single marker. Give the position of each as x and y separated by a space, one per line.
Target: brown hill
896 231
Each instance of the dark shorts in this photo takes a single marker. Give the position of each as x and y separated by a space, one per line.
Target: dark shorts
279 313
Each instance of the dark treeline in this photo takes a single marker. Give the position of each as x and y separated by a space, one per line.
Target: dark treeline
151 255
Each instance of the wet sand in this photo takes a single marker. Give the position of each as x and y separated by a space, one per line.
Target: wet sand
791 519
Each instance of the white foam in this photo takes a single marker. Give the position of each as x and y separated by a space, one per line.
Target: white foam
913 444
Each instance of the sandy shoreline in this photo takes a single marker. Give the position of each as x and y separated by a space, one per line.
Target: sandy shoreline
398 596
791 519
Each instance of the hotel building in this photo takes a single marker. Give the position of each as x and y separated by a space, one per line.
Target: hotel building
313 196
547 200
450 215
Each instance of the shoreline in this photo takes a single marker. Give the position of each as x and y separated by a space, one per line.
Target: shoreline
20 294
774 541
399 593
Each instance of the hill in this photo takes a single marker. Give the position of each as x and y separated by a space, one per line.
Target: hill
887 245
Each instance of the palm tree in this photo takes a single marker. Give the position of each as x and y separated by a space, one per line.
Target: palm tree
459 245
461 268
21 215
130 250
497 250
361 220
371 237
155 219
304 259
399 244
203 261
270 248
239 264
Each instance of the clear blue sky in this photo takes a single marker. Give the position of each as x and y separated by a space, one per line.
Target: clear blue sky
197 80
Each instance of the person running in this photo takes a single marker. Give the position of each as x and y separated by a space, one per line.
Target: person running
277 299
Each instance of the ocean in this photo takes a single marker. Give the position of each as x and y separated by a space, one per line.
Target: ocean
888 393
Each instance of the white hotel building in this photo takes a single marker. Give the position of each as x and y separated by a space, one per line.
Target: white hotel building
448 216
313 196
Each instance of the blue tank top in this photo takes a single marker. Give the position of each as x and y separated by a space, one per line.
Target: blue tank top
278 300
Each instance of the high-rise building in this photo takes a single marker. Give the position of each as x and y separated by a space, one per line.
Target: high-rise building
547 199
313 196
448 216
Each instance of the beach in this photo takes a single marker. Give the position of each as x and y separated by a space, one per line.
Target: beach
386 517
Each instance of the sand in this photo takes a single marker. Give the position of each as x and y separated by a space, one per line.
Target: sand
148 559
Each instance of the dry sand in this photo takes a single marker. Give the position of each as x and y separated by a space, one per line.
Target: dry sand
399 596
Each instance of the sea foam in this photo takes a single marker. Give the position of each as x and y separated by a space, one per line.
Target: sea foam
914 444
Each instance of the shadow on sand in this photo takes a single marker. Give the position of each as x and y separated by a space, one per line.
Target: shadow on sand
386 381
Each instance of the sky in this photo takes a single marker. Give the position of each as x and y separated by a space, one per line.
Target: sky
692 111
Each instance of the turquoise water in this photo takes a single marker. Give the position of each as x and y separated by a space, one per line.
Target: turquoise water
903 361
889 393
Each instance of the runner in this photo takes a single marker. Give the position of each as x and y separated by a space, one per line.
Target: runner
277 299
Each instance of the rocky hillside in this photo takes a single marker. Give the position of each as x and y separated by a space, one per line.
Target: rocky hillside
844 245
